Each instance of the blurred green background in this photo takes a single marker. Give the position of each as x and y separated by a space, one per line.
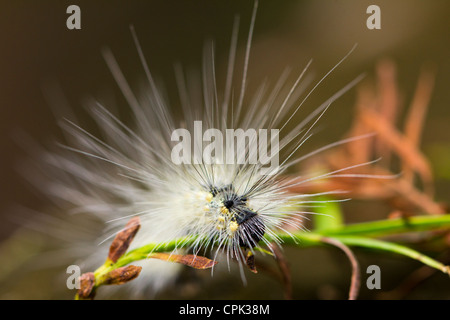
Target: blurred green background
37 50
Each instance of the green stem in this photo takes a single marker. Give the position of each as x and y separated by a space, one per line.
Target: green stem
140 253
355 235
308 239
392 226
394 248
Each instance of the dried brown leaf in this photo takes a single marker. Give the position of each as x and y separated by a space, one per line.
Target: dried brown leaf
388 100
123 239
416 115
399 144
388 104
122 275
415 197
194 261
87 283
250 261
359 151
422 96
376 111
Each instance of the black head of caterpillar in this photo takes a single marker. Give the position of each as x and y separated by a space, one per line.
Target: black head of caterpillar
239 216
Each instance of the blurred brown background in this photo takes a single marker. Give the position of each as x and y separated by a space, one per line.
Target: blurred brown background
37 50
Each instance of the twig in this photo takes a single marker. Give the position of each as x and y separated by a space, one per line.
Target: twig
356 276
285 271
343 237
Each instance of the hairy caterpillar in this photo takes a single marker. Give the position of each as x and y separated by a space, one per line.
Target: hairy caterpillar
228 207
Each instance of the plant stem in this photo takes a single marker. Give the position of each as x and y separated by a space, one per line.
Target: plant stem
356 235
391 226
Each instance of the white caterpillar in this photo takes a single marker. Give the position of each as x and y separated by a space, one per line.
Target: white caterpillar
129 171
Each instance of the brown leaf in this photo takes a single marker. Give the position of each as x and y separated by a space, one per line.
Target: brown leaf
422 96
122 275
250 261
415 196
416 116
388 90
194 261
123 239
87 282
388 101
359 151
401 145
377 108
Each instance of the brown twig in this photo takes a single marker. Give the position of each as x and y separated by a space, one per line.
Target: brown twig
285 271
355 279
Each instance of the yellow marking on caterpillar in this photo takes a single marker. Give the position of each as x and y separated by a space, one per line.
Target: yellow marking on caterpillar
233 226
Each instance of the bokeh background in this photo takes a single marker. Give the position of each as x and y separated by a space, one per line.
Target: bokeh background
39 55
